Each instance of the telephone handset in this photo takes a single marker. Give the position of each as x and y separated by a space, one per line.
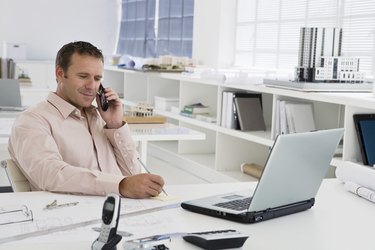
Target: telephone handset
103 101
108 237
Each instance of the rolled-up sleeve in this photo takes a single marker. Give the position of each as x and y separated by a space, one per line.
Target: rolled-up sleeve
125 149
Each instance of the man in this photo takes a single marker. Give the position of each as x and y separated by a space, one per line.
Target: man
65 144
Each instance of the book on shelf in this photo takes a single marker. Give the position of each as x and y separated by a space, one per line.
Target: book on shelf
249 113
206 118
252 169
187 114
229 113
196 108
294 117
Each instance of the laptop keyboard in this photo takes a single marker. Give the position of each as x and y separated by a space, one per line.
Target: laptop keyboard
237 205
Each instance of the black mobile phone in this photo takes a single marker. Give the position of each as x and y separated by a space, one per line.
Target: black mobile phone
103 101
108 237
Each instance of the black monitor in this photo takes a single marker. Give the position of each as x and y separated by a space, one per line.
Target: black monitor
365 127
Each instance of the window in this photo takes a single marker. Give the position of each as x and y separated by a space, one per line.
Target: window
175 31
137 33
267 33
150 28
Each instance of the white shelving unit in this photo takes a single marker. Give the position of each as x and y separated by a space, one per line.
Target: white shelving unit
219 157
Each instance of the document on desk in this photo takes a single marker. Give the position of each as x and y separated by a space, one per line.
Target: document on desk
86 212
168 222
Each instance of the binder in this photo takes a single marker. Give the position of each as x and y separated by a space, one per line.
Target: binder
250 114
300 117
229 110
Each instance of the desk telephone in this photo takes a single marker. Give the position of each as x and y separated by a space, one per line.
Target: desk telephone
108 237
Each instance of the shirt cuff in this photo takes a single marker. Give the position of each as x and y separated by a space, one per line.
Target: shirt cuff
108 183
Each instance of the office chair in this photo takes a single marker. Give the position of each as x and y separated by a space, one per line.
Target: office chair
16 178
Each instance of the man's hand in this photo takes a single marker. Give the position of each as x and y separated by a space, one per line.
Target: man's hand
141 186
113 117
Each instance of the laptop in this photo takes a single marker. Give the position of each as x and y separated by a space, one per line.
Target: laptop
10 95
291 178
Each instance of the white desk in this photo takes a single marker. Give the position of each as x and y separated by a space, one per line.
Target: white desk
141 133
339 220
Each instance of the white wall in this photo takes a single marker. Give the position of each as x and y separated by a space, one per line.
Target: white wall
45 25
214 32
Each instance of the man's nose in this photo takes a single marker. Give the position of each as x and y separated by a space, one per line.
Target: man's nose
90 83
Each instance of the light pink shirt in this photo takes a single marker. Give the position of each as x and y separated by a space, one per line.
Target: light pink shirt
59 150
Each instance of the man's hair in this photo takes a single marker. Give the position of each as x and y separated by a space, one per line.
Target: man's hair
64 55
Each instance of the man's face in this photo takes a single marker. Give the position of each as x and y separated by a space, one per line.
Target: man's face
79 84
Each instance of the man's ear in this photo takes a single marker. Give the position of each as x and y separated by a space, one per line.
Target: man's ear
59 74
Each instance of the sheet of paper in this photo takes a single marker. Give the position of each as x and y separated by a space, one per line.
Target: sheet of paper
86 212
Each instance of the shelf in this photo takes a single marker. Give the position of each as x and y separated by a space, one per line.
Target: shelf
231 147
261 137
207 160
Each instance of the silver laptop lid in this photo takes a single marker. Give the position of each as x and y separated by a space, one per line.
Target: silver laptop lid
295 168
10 94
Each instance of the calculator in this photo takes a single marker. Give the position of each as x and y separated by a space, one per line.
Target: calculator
219 239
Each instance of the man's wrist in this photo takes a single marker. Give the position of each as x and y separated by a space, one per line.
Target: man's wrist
115 125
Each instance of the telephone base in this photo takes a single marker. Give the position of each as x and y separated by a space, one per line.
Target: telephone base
110 245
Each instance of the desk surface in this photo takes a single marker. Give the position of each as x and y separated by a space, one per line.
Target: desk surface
163 132
339 220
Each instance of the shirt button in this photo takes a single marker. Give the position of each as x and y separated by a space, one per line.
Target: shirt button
120 142
117 134
126 155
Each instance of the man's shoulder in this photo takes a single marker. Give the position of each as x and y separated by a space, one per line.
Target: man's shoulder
42 110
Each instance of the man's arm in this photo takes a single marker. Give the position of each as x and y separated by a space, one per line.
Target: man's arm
34 149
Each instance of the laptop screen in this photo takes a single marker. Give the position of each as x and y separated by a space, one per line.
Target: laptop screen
295 168
10 93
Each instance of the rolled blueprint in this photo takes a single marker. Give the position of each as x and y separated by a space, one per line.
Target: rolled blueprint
360 191
362 175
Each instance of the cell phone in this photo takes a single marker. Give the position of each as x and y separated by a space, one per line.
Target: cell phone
103 101
108 237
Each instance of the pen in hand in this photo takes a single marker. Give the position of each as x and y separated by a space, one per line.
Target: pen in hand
148 171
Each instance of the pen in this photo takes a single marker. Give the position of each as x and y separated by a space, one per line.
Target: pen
148 171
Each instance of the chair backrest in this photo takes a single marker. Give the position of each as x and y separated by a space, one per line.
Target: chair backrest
16 178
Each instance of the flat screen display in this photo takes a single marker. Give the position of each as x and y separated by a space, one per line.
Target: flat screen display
365 127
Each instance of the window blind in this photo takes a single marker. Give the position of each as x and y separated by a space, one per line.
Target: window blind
150 28
267 32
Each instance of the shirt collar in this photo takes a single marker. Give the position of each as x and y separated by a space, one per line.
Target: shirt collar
64 107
